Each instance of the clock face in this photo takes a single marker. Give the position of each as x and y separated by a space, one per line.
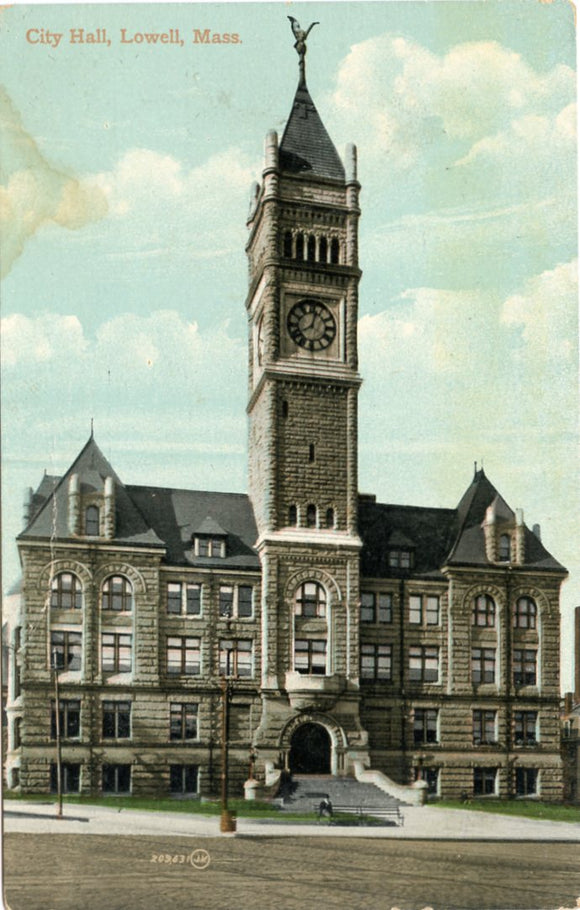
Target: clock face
311 325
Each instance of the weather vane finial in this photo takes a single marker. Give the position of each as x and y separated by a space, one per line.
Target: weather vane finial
300 45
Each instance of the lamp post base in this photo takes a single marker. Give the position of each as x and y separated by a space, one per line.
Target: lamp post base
228 822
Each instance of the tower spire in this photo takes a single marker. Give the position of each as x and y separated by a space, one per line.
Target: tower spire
300 45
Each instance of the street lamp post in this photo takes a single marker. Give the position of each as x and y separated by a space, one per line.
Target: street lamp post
58 742
227 820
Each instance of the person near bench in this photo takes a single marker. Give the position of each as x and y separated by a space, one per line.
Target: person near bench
325 808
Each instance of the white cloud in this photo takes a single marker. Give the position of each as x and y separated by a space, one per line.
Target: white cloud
27 341
418 103
546 311
164 208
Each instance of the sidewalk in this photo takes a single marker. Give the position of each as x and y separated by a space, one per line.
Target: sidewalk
425 823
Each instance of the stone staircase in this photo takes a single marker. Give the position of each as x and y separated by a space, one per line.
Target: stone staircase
307 791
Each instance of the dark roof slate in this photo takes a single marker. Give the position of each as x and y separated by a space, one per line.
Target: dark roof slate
176 515
430 530
306 148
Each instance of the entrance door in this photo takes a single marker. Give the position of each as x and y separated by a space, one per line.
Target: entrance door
310 750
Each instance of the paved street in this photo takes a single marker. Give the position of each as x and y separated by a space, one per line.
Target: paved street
67 872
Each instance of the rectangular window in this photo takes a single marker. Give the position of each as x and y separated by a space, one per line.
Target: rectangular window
70 777
526 781
17 728
69 719
183 656
484 781
525 728
425 724
116 778
310 656
236 657
484 727
245 601
482 665
424 664
376 661
116 648
183 599
376 607
524 666
203 546
116 719
183 778
424 609
65 650
183 720
227 601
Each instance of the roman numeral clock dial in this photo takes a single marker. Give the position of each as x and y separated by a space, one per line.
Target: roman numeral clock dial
311 325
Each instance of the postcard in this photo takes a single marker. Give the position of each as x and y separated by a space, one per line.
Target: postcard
290 441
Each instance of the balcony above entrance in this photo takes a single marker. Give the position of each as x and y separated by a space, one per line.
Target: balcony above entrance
314 690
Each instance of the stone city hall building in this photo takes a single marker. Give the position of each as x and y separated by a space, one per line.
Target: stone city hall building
422 643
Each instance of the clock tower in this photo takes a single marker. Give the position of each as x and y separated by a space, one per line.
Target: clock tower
303 386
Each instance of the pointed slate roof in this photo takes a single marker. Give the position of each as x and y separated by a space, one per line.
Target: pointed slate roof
306 148
469 545
92 468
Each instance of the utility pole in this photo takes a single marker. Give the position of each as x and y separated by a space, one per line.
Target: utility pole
58 743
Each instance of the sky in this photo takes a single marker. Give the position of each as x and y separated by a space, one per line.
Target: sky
126 170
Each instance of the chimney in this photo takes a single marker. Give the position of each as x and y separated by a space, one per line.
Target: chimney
74 505
520 538
537 531
109 508
27 514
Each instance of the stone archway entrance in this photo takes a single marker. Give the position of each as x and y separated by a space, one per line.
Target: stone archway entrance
310 750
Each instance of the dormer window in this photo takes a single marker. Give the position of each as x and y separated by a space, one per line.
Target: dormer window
209 547
92 521
400 559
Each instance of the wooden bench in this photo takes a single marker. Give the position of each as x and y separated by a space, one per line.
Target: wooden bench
391 813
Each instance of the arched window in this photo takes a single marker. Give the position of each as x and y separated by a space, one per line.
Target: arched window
311 516
323 250
92 521
330 518
505 548
311 252
117 594
66 592
288 244
334 251
300 246
525 613
311 600
292 516
483 614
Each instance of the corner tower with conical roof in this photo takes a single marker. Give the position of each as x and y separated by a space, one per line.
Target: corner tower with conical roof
302 312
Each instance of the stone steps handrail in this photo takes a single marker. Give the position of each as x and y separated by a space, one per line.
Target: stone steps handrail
414 795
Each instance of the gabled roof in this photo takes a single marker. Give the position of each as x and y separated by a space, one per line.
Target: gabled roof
306 148
210 526
92 468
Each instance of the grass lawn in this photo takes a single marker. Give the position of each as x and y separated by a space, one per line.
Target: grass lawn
529 808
